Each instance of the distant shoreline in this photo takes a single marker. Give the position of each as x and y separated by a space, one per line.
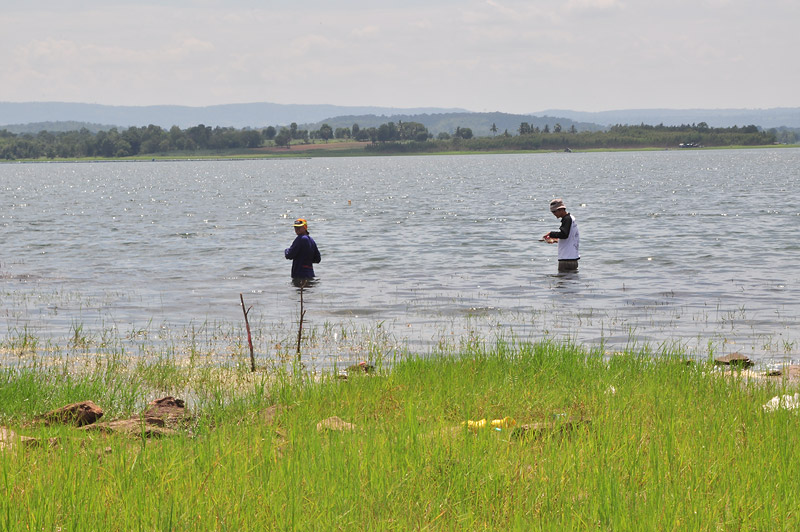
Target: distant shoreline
313 151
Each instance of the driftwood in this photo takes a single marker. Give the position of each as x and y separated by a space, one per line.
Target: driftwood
78 414
162 417
249 337
302 315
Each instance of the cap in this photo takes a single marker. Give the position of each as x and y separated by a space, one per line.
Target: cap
300 222
556 204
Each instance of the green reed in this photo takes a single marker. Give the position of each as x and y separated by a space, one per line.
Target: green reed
665 444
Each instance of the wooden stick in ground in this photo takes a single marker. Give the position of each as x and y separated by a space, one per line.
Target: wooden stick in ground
249 338
302 314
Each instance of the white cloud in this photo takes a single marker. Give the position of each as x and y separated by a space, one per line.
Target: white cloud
593 7
514 55
370 31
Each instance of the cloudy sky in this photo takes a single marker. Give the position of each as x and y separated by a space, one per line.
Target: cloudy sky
516 56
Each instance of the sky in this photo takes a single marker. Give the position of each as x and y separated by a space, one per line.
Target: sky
514 56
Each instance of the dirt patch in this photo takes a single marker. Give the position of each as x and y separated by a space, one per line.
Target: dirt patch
787 375
330 146
335 424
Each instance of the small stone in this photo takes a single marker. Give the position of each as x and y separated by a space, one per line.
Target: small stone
734 359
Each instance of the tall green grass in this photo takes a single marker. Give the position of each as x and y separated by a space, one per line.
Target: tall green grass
666 445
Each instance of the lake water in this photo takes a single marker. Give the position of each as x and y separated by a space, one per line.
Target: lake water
691 248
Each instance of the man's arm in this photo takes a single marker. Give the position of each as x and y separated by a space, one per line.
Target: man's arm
292 251
563 231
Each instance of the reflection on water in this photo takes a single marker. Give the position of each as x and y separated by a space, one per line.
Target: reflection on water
304 284
419 251
567 281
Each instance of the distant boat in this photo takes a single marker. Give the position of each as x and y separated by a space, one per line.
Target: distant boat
689 145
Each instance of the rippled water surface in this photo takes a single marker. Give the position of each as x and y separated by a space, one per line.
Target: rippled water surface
695 248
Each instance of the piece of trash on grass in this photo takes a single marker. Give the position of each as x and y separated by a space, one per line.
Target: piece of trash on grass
497 424
785 402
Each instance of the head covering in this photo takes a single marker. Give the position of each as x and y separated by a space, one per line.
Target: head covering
556 204
300 222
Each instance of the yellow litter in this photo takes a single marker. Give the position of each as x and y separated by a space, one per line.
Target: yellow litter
497 424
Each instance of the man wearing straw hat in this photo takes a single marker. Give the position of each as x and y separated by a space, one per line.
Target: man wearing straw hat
303 253
567 236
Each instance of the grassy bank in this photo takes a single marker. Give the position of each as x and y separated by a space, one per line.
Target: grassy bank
332 150
640 441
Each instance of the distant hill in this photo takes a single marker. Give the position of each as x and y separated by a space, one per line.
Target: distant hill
32 117
254 115
55 127
54 116
764 118
479 123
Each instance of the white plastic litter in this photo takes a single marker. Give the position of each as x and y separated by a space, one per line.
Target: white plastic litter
787 402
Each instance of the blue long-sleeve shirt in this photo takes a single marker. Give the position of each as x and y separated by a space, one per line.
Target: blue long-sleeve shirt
304 254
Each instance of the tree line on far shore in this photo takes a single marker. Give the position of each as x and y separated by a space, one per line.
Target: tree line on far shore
616 137
401 137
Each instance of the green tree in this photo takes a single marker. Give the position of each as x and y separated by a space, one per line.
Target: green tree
151 138
325 132
133 136
200 135
412 131
251 139
464 132
361 135
177 139
372 132
387 132
283 138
